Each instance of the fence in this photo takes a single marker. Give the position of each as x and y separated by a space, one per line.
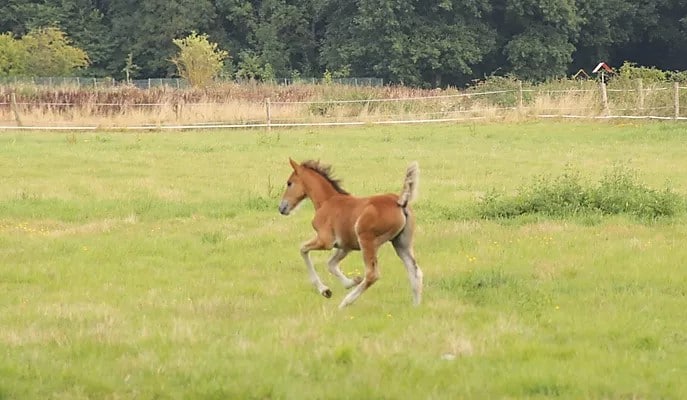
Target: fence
513 100
175 83
339 81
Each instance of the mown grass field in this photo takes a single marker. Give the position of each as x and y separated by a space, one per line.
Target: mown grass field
156 265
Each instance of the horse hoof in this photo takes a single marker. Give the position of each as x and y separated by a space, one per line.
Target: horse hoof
327 293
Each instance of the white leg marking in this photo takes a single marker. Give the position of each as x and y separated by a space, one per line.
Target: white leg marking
353 294
333 265
314 278
415 275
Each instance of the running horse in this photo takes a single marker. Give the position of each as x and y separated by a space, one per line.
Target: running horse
345 222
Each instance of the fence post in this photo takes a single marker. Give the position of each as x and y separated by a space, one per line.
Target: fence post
520 96
676 94
15 108
178 106
268 112
640 91
604 97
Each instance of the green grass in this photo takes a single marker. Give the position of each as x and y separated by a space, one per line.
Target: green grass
156 265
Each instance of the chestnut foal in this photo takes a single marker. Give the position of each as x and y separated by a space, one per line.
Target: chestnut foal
346 223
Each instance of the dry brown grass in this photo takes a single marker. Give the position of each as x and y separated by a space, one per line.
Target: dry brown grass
246 104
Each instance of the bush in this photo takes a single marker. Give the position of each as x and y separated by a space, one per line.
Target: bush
630 71
199 61
618 192
41 52
12 56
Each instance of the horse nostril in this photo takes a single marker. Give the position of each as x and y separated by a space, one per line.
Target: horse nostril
283 208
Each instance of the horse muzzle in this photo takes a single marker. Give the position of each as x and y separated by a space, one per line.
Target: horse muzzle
284 208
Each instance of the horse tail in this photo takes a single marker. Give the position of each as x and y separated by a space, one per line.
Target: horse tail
410 185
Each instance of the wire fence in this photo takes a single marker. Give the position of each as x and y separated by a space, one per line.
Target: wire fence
174 83
591 100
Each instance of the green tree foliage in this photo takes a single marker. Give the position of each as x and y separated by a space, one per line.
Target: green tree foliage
537 36
253 67
402 41
20 16
198 60
538 54
42 52
606 26
424 43
146 29
285 38
90 31
12 56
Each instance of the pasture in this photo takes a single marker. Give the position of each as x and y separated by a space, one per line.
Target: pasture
156 265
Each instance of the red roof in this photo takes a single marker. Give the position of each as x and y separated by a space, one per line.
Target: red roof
604 66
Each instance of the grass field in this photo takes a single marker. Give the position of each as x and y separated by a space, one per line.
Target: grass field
156 265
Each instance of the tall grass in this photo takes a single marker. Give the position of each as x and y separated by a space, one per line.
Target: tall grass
496 98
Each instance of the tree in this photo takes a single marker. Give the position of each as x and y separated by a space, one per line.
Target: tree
414 43
284 37
130 68
146 29
91 31
538 54
12 56
252 67
49 53
199 61
419 43
20 16
536 37
279 36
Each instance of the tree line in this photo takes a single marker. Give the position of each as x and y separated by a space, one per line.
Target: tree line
419 43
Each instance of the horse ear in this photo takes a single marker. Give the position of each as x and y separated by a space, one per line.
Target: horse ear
294 164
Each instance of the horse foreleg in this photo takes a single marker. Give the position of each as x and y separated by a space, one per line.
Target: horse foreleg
333 265
314 244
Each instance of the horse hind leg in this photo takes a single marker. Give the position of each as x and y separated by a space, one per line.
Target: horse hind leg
333 265
371 272
403 246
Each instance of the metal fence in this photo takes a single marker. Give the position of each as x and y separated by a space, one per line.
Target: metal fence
176 83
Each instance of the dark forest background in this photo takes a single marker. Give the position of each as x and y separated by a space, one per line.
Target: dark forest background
419 43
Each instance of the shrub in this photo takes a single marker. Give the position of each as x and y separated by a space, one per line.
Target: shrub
630 71
618 192
12 56
199 61
42 52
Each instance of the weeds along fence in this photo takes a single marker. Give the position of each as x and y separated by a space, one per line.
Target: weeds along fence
261 105
174 83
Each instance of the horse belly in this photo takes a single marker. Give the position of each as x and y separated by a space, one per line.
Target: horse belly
346 241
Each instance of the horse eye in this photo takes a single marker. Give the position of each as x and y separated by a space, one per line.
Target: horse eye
288 183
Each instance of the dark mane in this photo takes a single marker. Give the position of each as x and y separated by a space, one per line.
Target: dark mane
326 172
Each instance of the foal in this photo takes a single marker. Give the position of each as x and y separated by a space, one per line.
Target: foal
347 223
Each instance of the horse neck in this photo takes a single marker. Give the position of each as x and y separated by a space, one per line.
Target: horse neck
318 188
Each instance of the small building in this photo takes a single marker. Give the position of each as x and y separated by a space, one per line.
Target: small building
602 70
